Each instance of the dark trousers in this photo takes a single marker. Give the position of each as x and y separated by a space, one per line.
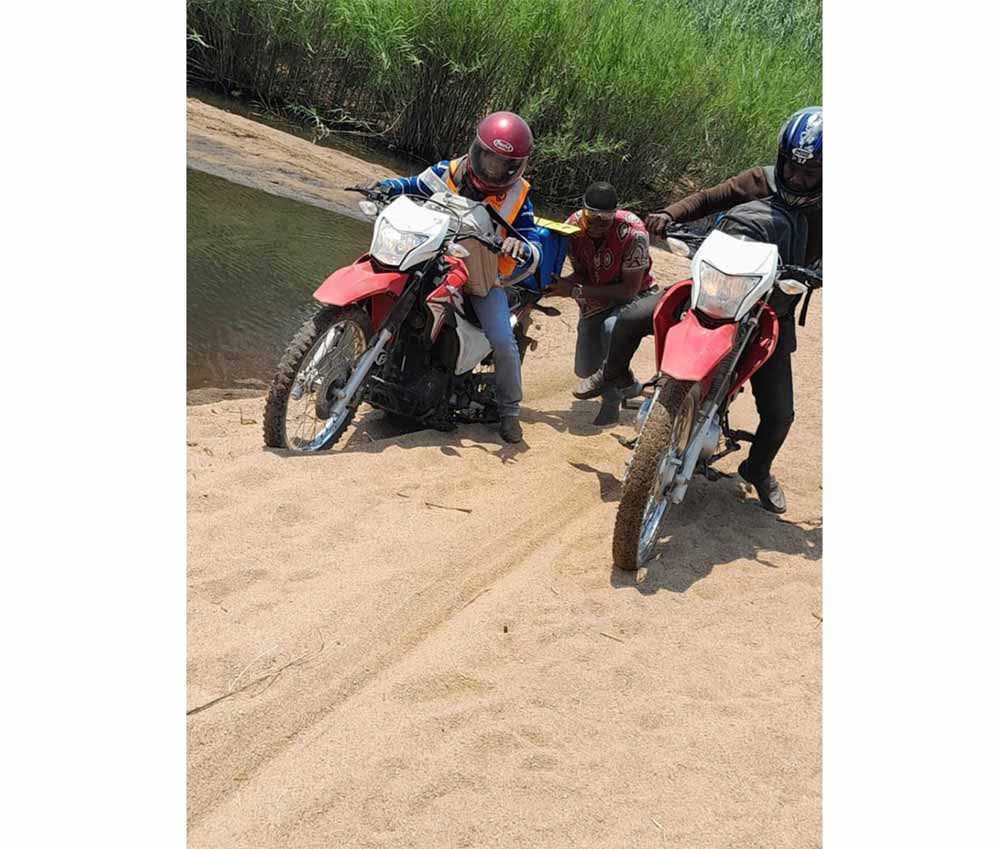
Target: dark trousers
635 321
772 384
772 390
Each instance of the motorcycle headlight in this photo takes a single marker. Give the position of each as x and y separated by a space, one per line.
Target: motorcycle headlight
720 295
390 245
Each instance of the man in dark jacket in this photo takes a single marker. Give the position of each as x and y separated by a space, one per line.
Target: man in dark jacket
792 192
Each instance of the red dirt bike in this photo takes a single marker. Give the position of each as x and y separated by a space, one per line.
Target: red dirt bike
395 329
712 333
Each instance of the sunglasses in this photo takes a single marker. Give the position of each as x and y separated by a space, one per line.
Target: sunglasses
598 216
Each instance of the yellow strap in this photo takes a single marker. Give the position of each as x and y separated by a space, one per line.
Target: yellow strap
558 226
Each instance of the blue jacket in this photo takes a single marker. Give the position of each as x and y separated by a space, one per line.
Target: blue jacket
524 224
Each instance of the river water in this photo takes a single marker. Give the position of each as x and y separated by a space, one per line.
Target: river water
253 262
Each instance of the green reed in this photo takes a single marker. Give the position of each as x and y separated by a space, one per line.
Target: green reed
654 95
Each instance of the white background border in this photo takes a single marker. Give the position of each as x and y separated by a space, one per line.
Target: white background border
93 425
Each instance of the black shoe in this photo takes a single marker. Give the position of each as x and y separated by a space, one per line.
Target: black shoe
611 405
591 387
633 391
768 489
510 429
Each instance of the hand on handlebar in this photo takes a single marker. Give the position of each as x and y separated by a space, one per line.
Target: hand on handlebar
657 223
514 248
372 189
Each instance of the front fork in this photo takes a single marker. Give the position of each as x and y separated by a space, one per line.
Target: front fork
708 421
372 356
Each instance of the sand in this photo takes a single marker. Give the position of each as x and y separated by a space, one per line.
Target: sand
420 640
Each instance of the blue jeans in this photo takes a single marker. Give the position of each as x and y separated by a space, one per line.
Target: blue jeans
494 315
593 336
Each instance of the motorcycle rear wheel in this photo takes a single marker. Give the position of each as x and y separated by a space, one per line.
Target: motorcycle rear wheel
664 436
319 359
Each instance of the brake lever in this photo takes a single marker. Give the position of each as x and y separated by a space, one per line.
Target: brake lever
370 194
806 276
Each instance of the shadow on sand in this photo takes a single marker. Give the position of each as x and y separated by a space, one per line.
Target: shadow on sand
717 523
373 431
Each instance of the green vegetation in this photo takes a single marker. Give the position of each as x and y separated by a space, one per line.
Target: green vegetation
654 95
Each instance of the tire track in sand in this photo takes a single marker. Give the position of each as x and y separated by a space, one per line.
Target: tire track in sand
221 758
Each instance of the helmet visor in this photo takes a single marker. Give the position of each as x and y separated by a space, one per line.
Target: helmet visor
494 169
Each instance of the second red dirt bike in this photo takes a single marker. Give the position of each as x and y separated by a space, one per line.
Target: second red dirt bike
396 330
712 333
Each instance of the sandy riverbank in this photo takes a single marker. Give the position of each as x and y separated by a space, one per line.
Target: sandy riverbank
419 641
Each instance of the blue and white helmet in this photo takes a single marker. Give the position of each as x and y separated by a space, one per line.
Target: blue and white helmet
800 141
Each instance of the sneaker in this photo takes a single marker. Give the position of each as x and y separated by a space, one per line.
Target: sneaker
768 489
510 429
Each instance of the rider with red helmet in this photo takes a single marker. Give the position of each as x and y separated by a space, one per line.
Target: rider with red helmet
493 172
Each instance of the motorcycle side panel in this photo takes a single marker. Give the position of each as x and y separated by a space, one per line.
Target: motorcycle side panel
665 314
473 345
757 352
358 282
692 352
448 296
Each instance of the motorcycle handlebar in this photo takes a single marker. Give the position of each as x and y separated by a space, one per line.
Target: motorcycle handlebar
493 245
680 231
810 277
377 194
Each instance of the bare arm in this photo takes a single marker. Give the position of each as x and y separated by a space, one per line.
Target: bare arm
565 283
630 284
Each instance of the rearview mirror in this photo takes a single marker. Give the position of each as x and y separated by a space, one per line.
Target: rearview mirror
792 287
676 246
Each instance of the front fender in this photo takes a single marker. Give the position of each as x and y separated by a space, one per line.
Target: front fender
359 282
691 352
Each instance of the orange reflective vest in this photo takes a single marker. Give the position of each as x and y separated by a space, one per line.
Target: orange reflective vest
508 205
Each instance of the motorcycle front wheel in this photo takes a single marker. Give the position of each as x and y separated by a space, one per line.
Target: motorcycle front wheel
648 486
317 362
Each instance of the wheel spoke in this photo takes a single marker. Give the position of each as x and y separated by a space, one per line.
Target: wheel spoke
331 359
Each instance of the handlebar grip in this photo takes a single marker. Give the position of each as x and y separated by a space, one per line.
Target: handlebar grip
376 192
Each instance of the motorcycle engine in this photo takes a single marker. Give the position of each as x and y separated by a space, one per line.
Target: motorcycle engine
430 389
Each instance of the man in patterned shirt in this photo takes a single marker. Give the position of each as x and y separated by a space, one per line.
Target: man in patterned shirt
611 275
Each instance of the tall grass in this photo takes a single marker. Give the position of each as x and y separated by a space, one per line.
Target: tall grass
654 95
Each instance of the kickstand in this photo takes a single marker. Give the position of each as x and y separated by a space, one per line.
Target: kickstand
733 439
703 467
625 443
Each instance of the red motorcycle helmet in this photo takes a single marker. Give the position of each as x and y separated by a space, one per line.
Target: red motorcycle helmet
500 152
